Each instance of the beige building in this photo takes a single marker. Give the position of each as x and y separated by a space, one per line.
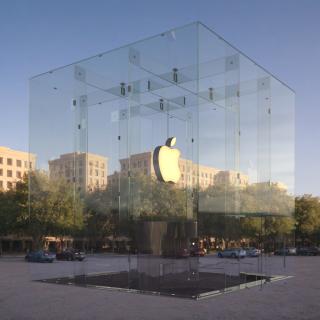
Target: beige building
14 165
278 185
208 176
89 171
230 177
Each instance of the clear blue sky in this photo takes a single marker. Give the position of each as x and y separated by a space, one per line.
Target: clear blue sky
283 36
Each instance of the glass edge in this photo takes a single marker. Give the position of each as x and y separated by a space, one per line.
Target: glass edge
245 55
195 23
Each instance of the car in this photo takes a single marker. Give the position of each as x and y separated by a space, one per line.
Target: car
197 252
252 252
178 253
71 255
308 251
232 253
289 251
40 256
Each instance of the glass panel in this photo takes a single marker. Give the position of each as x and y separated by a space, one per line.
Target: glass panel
162 124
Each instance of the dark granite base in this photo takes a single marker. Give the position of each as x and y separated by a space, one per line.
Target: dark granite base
183 285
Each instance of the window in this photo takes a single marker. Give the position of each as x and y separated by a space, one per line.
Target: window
18 163
97 173
1 185
102 166
9 173
1 160
1 172
9 185
102 173
9 162
139 164
145 163
123 166
18 174
90 172
26 164
97 163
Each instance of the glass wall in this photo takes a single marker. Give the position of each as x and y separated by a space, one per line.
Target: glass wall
155 154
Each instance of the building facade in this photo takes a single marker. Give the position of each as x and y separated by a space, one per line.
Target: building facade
88 170
208 176
14 164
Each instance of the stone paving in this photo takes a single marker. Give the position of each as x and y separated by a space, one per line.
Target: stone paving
296 298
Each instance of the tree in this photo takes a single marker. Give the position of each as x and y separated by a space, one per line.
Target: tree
260 212
101 218
9 212
53 207
307 214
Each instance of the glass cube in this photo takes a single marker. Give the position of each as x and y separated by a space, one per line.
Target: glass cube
154 154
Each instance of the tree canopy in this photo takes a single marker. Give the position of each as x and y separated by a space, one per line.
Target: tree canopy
54 207
51 208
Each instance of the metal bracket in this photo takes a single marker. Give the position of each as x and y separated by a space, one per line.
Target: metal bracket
79 73
122 89
134 56
211 93
161 104
83 100
175 75
232 62
263 83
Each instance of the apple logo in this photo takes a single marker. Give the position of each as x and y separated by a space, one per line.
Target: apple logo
166 162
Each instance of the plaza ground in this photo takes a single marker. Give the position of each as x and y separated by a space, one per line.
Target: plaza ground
296 298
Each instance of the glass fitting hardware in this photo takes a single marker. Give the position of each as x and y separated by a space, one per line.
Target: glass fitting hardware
122 89
175 74
161 104
211 93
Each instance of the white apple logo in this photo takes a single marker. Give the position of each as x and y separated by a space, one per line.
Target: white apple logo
166 162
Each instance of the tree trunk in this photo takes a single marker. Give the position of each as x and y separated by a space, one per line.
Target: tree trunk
37 242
